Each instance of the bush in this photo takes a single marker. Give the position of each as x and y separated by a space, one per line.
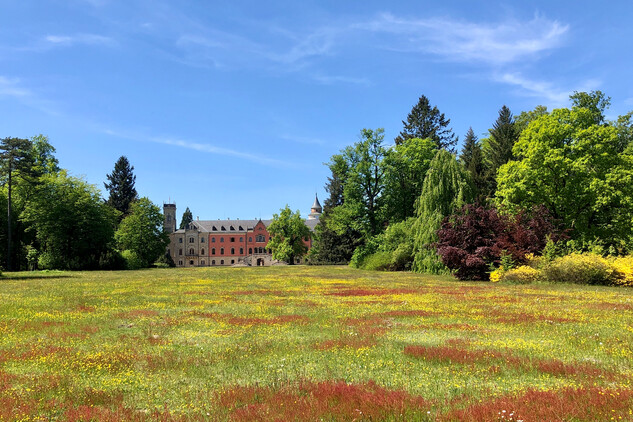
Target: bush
112 260
363 252
623 267
522 275
380 261
132 260
585 268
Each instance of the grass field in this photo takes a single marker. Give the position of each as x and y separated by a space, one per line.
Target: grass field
310 343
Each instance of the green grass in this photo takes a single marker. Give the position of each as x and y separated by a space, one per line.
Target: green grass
242 343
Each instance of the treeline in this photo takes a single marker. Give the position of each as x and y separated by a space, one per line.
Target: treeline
52 220
559 181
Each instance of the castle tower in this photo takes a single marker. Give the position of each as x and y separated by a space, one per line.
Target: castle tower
169 211
316 210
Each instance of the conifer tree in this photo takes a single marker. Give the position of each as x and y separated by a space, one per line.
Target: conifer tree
121 186
503 136
187 218
426 122
472 160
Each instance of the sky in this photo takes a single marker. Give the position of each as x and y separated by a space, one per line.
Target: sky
232 108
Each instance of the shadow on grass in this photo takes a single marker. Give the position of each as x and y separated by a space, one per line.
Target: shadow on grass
36 275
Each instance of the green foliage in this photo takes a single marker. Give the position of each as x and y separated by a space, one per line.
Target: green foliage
406 166
378 261
573 167
363 188
288 232
595 102
447 187
142 233
121 186
586 268
499 150
426 122
524 119
72 224
132 260
364 251
187 218
473 161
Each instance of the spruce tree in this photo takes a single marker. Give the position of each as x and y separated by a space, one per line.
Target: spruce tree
121 186
472 160
425 122
187 218
503 136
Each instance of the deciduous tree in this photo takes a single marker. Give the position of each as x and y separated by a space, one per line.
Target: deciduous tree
288 232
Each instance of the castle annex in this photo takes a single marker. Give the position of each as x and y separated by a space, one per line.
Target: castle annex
207 243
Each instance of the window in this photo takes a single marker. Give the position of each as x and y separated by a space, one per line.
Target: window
180 251
202 262
232 261
213 251
221 262
168 218
179 262
250 251
213 240
232 228
202 240
241 229
191 251
215 229
201 251
222 228
213 262
260 238
306 238
232 239
180 240
241 251
241 238
250 239
190 262
232 251
191 240
221 240
221 251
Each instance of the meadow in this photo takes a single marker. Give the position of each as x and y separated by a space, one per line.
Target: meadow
310 343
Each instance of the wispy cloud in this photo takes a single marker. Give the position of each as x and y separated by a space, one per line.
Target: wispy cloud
459 41
14 88
540 89
202 147
84 39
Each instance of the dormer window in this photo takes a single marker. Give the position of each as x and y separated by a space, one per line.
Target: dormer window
223 229
215 229
232 228
241 229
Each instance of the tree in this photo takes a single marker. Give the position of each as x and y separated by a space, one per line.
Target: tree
288 232
425 122
72 224
472 160
363 201
16 157
121 186
446 188
574 167
405 168
595 101
44 160
187 218
503 136
142 232
526 117
330 247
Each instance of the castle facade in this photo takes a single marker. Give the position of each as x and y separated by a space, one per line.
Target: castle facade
208 243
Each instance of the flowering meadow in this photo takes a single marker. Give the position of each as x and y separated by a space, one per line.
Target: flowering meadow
310 343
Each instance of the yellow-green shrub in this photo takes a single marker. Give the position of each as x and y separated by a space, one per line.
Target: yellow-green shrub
623 267
522 274
585 268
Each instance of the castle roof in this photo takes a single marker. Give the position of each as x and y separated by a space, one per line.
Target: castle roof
232 226
316 204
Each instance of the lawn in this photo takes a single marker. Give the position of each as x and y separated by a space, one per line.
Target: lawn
310 343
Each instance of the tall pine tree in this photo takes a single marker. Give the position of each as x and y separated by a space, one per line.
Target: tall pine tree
425 122
121 186
503 136
472 160
187 218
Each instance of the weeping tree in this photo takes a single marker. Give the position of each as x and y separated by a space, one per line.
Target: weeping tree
446 188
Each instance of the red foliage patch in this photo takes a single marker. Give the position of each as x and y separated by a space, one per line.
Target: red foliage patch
281 319
451 354
409 313
328 400
86 308
369 292
587 404
606 306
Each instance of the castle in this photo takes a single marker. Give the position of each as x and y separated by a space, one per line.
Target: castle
208 243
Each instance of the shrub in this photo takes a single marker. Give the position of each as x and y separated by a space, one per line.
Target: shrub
363 252
523 275
380 261
112 260
132 260
585 268
623 267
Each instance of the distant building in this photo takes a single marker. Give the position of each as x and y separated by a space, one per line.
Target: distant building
208 243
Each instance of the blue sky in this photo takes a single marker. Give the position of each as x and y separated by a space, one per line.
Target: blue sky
231 108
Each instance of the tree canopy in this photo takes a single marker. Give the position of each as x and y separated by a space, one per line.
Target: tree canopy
288 232
425 122
187 218
120 186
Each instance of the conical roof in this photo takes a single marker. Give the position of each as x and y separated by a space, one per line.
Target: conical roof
316 205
